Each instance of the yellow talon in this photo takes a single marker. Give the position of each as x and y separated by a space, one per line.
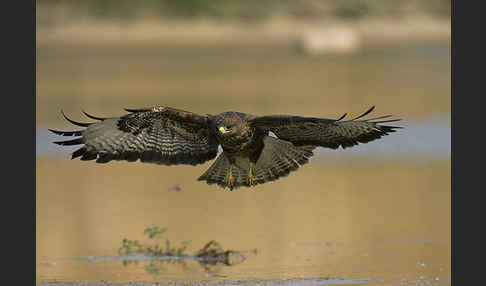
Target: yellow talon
250 175
231 179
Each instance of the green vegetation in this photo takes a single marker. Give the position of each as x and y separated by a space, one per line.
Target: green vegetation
210 257
248 10
154 233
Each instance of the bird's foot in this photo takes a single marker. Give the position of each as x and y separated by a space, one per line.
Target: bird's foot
231 180
250 175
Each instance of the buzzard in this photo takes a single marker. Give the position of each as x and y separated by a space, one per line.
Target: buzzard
251 156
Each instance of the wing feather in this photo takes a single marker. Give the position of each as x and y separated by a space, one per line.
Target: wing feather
330 133
161 135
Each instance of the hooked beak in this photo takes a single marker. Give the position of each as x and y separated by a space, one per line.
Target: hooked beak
223 130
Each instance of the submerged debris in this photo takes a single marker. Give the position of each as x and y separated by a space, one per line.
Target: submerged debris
213 253
211 256
175 188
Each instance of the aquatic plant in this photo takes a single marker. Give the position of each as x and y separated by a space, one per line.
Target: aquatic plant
211 256
154 233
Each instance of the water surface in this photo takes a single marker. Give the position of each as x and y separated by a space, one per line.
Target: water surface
375 214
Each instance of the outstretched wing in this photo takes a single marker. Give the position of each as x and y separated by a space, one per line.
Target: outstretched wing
161 135
323 132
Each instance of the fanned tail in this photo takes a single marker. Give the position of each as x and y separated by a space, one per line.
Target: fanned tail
218 172
278 159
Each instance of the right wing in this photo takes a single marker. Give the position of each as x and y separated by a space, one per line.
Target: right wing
161 135
323 132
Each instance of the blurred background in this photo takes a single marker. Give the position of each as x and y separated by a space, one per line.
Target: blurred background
378 210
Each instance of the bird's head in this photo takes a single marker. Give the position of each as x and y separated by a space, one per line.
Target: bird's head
231 124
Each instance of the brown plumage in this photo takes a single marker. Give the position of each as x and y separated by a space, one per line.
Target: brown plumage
170 136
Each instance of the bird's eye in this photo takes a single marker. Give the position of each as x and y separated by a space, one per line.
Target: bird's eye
228 127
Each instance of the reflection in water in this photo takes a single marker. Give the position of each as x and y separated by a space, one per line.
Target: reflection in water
211 257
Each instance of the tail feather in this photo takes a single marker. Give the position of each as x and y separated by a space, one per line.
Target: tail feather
278 159
217 173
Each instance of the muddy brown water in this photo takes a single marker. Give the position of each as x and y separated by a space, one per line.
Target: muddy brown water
350 220
383 220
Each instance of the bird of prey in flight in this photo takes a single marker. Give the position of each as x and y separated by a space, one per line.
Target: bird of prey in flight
169 136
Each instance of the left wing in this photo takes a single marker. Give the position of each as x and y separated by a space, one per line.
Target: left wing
161 135
330 133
